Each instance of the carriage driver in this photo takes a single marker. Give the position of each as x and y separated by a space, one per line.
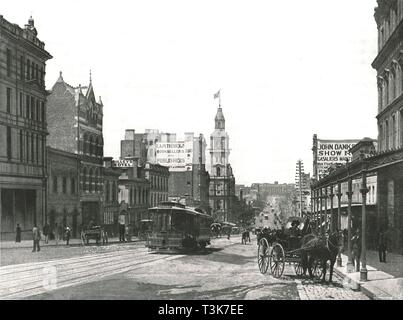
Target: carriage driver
294 233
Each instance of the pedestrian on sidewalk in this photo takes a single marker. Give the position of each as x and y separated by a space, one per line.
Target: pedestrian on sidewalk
67 234
129 233
18 233
36 237
56 232
382 246
46 231
356 249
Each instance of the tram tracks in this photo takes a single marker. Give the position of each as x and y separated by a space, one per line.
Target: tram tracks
30 280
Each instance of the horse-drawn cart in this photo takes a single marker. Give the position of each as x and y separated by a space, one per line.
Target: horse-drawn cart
96 233
278 247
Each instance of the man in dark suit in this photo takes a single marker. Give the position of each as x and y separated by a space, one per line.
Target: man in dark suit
382 246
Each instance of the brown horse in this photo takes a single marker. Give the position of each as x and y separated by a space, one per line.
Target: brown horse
327 250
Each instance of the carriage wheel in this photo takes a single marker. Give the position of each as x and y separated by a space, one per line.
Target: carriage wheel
317 269
263 255
299 270
277 260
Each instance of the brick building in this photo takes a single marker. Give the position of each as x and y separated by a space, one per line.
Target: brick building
63 193
23 128
158 177
111 195
134 193
75 126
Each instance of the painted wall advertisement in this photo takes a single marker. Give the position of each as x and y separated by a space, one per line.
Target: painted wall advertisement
177 156
331 152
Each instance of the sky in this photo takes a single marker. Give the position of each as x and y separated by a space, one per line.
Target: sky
286 70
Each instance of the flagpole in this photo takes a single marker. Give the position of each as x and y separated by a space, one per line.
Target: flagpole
219 98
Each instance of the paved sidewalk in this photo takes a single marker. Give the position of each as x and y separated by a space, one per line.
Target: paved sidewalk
73 242
381 285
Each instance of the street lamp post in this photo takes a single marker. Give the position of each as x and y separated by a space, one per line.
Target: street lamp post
321 212
364 190
350 264
331 208
339 194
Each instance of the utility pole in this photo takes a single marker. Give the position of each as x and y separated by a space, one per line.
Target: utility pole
299 177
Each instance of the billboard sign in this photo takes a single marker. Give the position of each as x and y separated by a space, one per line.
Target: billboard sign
177 156
331 152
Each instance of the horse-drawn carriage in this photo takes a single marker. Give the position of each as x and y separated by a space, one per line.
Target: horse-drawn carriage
96 233
278 247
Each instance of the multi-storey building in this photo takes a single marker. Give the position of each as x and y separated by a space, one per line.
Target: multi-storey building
134 192
185 159
63 198
110 199
23 128
389 67
158 177
75 126
222 180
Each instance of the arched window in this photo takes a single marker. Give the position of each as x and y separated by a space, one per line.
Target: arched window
218 171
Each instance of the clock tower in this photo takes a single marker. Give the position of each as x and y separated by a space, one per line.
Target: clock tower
222 181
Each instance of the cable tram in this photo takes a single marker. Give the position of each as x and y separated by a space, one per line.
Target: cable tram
178 227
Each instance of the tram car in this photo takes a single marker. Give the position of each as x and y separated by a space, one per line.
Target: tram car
177 227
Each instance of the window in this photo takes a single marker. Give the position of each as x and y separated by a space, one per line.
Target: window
8 63
9 150
42 111
37 148
33 70
42 80
37 110
64 185
21 67
54 184
27 110
28 70
21 100
36 72
27 146
21 146
9 100
32 148
387 135
32 108
73 186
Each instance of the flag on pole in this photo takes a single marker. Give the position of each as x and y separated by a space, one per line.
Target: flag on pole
217 95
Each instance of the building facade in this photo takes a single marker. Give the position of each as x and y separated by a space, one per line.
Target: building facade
222 180
62 191
389 67
134 194
75 121
158 177
110 197
23 129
